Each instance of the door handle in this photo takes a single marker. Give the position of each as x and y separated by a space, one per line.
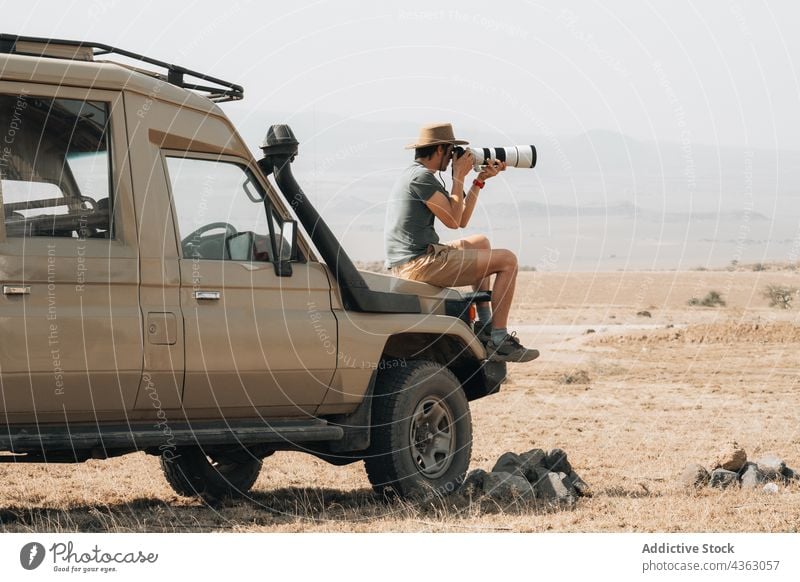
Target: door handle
16 289
206 295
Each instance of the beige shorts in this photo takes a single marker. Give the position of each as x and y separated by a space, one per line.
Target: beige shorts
444 265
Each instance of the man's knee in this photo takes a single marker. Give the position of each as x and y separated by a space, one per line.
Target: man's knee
509 260
503 260
482 242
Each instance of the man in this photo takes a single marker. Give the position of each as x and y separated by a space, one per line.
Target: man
413 250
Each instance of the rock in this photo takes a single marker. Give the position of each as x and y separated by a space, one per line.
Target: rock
770 488
523 464
504 486
790 475
568 485
473 484
550 487
588 331
752 477
731 458
694 476
533 459
772 466
644 313
508 463
556 461
581 487
722 478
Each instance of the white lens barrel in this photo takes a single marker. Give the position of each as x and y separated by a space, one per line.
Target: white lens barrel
526 156
521 156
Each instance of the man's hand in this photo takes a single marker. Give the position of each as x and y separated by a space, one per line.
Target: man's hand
462 165
491 169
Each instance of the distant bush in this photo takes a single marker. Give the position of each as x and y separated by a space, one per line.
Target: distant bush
576 377
781 296
759 267
712 299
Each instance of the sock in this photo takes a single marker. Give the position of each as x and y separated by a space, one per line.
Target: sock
498 335
484 313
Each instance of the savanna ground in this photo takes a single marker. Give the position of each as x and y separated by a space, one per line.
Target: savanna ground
662 391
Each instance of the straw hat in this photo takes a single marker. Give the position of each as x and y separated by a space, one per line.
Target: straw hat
436 134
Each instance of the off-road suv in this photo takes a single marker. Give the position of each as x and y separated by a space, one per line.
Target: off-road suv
159 296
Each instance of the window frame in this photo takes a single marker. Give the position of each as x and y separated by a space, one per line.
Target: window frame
124 220
302 251
111 169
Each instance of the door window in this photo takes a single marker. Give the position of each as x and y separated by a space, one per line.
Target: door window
55 170
221 211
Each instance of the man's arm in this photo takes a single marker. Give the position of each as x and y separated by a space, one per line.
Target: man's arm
451 210
469 205
490 171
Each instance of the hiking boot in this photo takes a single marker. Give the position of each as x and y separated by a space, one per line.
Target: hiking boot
510 350
483 331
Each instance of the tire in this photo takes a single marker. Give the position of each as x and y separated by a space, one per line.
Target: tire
191 473
421 432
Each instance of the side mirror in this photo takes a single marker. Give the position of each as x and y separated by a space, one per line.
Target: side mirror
287 248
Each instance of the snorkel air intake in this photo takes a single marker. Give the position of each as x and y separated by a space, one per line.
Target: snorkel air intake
280 148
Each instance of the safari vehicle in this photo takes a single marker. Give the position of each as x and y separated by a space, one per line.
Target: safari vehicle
159 294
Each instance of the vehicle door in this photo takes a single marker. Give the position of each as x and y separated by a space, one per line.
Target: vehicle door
70 323
254 339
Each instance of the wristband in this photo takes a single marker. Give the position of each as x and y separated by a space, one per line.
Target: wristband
478 183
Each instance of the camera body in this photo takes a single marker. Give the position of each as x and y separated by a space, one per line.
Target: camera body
521 156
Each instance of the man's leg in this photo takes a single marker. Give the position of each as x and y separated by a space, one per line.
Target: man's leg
502 346
499 262
503 264
478 242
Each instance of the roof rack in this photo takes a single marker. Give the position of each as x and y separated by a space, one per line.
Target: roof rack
83 50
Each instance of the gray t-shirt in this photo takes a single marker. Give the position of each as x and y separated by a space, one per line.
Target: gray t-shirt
409 222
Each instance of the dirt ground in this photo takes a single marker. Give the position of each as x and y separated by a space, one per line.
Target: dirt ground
653 393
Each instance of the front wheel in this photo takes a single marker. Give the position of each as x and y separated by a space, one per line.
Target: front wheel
421 431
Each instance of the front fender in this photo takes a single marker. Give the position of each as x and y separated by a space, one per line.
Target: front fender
364 339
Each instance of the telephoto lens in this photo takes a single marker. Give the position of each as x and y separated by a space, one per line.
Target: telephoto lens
521 156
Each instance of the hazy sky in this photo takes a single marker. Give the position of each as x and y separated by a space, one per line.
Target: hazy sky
717 72
720 73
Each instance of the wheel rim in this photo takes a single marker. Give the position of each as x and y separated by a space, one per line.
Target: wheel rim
432 435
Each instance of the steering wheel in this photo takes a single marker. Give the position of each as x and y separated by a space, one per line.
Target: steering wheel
230 231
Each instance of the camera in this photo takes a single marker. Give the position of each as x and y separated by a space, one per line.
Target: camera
521 156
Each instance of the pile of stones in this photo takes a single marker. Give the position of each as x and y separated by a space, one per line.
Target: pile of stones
533 477
730 467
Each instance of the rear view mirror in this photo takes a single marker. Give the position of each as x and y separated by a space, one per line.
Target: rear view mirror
288 241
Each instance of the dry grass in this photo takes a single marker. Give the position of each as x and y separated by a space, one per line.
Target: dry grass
658 398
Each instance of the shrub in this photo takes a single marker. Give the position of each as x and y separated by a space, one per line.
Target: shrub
576 377
712 299
781 296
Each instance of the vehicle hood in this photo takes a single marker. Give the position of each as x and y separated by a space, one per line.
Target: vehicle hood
431 297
